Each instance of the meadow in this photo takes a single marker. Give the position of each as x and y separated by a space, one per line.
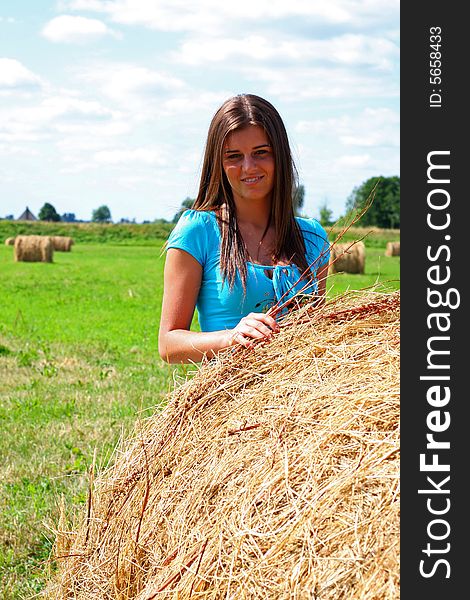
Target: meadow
78 367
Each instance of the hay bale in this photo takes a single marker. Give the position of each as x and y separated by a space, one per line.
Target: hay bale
392 249
348 258
270 474
33 248
10 241
62 243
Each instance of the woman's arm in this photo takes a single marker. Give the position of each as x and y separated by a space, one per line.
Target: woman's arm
176 343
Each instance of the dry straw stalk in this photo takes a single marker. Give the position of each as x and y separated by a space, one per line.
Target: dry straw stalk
272 473
33 248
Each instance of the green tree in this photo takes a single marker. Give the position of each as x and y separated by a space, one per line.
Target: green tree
384 211
48 213
326 214
187 203
102 214
298 198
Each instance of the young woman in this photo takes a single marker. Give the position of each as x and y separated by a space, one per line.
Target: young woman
239 249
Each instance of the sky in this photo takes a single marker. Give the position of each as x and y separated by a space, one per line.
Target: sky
109 101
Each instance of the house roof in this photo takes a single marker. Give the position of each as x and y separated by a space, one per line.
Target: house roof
27 216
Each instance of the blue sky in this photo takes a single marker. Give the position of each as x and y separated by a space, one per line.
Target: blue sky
109 101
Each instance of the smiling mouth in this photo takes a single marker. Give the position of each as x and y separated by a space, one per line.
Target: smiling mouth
252 179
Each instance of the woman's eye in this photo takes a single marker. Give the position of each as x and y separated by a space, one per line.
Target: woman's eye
233 156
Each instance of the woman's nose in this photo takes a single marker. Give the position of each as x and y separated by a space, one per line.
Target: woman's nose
248 162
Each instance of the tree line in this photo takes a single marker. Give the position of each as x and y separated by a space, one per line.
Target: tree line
47 212
383 212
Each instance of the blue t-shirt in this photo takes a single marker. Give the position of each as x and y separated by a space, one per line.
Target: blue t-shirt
218 306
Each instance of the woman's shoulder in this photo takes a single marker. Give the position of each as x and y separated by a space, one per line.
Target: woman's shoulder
195 218
316 241
311 226
193 222
197 233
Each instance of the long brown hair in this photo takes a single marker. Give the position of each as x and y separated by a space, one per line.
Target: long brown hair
215 193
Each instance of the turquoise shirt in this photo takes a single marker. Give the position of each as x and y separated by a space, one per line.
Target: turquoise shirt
220 307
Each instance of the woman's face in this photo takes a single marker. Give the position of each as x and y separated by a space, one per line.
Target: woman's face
248 163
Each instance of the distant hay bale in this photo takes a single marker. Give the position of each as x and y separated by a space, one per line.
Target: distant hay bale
33 248
348 258
392 249
270 474
62 243
10 241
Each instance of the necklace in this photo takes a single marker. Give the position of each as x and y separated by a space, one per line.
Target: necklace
260 243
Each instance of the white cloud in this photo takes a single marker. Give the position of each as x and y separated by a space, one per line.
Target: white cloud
87 141
15 76
71 108
132 86
146 156
134 181
91 5
74 166
210 15
9 150
194 102
74 29
349 49
352 161
51 115
299 83
372 127
98 131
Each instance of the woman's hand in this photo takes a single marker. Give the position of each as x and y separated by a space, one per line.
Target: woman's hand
176 343
255 326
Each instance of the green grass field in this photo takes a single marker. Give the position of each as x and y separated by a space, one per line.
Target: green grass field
78 366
